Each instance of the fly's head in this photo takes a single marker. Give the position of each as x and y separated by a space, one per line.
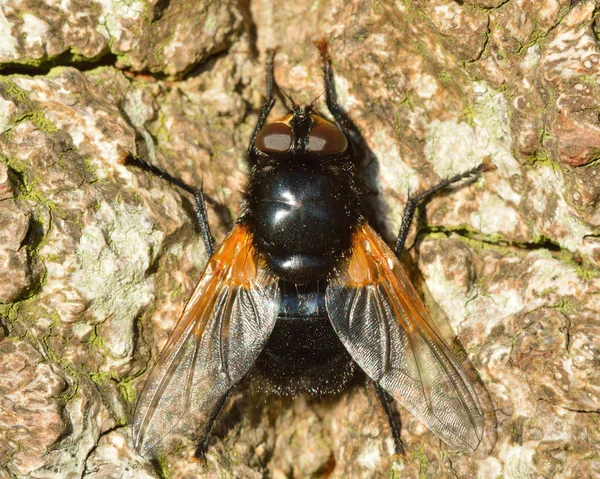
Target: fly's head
303 134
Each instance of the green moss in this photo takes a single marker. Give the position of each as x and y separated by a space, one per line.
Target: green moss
396 470
162 467
586 273
541 243
563 305
594 162
446 77
468 114
467 234
44 63
162 45
420 457
15 164
56 71
96 340
13 90
27 108
54 320
25 312
545 292
99 377
9 311
40 120
127 391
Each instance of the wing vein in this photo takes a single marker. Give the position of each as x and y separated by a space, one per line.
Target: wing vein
383 324
217 333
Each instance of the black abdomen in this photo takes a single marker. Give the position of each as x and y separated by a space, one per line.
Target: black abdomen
303 219
303 353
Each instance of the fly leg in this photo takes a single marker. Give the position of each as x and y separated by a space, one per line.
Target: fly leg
409 212
343 121
395 426
341 117
267 105
414 202
199 198
200 454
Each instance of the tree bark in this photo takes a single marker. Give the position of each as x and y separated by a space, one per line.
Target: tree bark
97 259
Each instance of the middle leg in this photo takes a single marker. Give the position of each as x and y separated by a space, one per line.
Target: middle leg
199 199
415 201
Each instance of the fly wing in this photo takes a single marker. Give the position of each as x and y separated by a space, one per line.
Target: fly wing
221 332
383 324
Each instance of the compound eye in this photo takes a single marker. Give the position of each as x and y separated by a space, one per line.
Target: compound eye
327 139
274 138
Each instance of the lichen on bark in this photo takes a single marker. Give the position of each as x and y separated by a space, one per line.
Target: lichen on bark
97 259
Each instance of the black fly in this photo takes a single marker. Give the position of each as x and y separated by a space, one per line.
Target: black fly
303 292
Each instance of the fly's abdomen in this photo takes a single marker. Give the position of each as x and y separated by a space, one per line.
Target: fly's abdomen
303 353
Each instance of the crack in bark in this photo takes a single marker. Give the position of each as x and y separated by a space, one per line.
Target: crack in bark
250 26
95 447
481 7
568 326
542 244
580 411
107 59
596 24
63 60
453 471
486 42
4 331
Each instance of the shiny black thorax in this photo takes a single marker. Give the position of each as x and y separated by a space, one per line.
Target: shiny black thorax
302 208
302 214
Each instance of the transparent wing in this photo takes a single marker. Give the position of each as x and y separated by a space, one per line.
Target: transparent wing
221 332
383 324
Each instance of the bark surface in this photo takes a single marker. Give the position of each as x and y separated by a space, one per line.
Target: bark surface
97 259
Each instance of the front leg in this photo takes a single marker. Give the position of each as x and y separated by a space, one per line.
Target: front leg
339 114
267 105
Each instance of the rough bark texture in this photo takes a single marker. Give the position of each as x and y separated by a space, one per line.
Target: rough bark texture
97 259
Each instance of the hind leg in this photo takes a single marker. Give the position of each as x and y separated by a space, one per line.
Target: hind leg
395 426
200 453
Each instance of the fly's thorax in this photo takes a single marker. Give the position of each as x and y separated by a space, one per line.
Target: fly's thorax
302 217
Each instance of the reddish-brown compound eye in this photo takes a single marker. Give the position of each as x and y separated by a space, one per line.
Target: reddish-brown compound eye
274 138
327 139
